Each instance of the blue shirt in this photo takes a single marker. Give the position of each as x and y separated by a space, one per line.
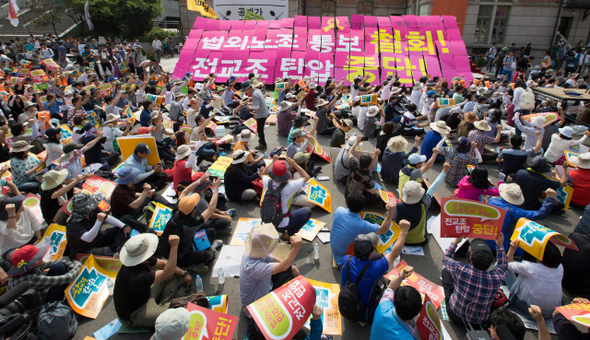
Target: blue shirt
376 270
346 225
139 164
386 324
144 118
53 109
430 141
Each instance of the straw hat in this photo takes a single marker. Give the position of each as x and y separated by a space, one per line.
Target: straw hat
483 125
111 118
285 105
240 156
183 151
397 144
470 117
138 249
53 178
261 241
512 193
257 83
440 127
20 146
372 111
245 136
412 192
582 161
321 102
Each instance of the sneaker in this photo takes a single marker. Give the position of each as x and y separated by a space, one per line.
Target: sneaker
231 212
285 237
216 245
224 232
200 269
317 169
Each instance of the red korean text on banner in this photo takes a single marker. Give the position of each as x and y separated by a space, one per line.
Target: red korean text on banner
577 312
283 312
424 286
428 321
472 219
209 324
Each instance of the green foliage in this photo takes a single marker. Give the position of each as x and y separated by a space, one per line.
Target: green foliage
156 32
481 62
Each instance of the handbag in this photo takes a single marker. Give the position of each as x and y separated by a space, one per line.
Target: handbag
258 186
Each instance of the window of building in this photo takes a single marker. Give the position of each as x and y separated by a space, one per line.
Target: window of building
492 22
500 23
484 17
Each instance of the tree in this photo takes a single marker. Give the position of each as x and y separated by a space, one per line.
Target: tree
51 12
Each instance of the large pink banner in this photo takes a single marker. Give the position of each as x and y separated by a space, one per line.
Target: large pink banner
406 46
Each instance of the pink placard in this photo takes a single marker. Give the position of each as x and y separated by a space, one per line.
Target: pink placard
287 22
435 22
323 70
270 43
404 70
458 48
454 35
224 25
343 24
396 21
234 40
194 36
312 58
314 23
260 63
283 64
257 40
262 23
227 67
418 67
300 21
300 39
410 21
212 25
371 40
374 76
184 61
449 21
200 65
340 73
383 22
356 22
212 40
297 65
241 61
200 23
274 24
463 67
237 25
386 73
250 24
340 59
432 66
369 22
214 62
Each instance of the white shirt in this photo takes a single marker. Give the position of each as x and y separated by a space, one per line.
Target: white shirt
24 232
293 187
110 134
190 117
415 97
545 292
361 118
46 53
556 148
517 95
157 44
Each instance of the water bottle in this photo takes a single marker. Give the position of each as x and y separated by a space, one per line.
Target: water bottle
397 260
265 155
110 286
221 276
316 252
199 283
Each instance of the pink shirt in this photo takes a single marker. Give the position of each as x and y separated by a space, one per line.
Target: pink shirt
467 191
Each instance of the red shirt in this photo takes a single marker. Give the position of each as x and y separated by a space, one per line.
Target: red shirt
181 173
310 99
581 180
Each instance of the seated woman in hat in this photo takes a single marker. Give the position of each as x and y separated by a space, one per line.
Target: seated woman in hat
561 142
324 123
339 136
19 133
183 165
458 156
530 128
72 157
24 167
207 151
18 226
54 194
437 131
301 121
373 120
142 294
83 228
244 139
394 156
238 178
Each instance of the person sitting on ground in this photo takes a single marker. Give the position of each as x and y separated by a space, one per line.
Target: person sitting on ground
324 123
238 178
513 159
561 142
244 139
157 130
18 226
54 194
24 167
347 224
565 329
481 139
285 118
140 294
279 175
184 164
395 157
533 183
458 155
410 124
476 184
341 163
467 125
576 263
505 324
365 256
394 317
527 289
360 177
372 122
413 205
339 136
511 199
172 324
465 295
415 168
299 144
433 137
185 223
300 198
261 272
147 173
580 180
50 278
530 128
83 228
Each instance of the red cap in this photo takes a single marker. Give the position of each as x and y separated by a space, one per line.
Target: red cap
279 171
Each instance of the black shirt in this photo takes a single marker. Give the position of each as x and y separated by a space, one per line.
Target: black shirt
338 138
185 228
133 288
575 266
74 232
532 185
50 206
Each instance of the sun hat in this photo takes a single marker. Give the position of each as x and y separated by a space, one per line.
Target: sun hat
183 151
395 90
20 146
172 324
566 131
539 164
582 161
538 121
470 117
29 104
415 159
82 204
279 171
111 118
301 157
245 136
412 192
347 122
53 178
473 88
299 121
321 102
261 241
16 200
350 142
4 93
240 156
511 193
246 85
26 258
440 127
481 91
127 175
312 85
144 129
188 203
154 114
257 83
396 144
364 244
481 254
483 125
462 145
138 249
297 133
289 96
143 148
372 111
72 146
285 105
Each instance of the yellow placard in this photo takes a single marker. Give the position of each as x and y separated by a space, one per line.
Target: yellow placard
319 195
309 231
385 240
55 236
533 237
128 144
218 168
327 298
569 155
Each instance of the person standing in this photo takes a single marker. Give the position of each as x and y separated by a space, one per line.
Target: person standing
157 47
499 61
259 106
491 55
509 65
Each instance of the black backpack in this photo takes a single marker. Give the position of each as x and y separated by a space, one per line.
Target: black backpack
271 210
349 300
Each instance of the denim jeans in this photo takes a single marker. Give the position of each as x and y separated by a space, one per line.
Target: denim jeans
28 186
208 149
297 220
508 74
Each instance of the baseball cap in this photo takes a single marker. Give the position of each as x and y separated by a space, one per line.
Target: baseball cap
143 148
172 324
363 245
416 159
188 203
481 254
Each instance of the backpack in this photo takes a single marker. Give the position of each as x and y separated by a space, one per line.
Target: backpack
350 304
271 210
56 321
527 100
197 298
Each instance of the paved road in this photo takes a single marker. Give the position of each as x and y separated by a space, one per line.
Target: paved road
428 265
